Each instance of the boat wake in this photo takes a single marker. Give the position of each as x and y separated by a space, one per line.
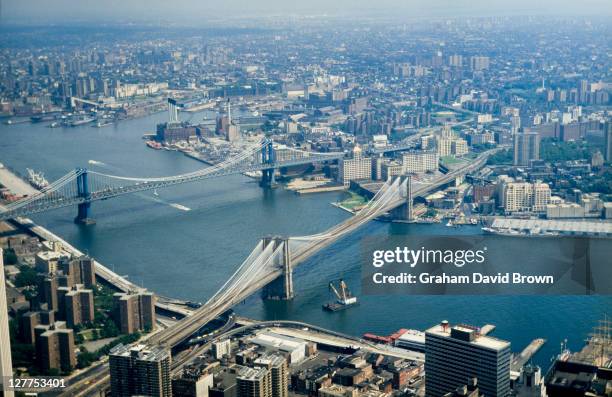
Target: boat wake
179 207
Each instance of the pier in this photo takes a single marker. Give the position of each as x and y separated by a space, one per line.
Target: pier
521 359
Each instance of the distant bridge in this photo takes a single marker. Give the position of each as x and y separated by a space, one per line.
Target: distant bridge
81 187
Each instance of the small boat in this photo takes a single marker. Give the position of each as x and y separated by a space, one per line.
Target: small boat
155 193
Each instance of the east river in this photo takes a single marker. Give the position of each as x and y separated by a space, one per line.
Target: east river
189 254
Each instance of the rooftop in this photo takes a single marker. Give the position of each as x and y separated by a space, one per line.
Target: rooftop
248 373
590 227
479 340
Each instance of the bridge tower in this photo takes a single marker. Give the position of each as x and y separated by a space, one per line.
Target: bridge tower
404 211
268 156
83 191
280 288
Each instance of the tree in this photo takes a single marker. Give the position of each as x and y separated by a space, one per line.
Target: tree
9 256
27 277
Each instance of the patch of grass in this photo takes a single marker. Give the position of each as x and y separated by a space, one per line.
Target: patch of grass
353 201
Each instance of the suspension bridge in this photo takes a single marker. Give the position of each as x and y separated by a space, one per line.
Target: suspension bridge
81 186
269 266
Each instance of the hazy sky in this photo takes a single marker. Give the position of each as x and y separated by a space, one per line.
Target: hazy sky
191 10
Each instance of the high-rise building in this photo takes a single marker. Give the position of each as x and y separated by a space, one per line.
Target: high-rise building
49 292
524 196
478 63
455 61
28 322
55 347
456 354
358 167
6 364
254 382
608 140
135 311
447 143
418 162
526 147
78 306
140 371
79 271
277 365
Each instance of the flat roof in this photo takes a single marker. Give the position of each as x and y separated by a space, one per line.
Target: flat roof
413 335
554 225
248 373
480 340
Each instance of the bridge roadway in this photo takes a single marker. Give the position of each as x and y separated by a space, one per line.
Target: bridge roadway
184 328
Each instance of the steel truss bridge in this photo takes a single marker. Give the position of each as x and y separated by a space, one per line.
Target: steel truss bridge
81 187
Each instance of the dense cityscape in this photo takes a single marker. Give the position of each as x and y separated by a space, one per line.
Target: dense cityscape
449 126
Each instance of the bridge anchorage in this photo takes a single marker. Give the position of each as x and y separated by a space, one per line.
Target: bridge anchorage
281 288
404 211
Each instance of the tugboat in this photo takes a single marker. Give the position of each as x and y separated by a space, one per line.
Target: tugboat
344 298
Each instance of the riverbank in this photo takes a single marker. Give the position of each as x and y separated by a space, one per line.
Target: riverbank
107 275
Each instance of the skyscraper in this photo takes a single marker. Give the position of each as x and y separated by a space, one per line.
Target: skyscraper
454 355
140 371
6 365
526 147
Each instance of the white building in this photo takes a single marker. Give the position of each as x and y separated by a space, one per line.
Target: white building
525 196
222 348
447 143
419 162
379 141
295 348
355 168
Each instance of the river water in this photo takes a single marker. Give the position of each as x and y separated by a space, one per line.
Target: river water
189 254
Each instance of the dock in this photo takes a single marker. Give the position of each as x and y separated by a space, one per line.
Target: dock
519 360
